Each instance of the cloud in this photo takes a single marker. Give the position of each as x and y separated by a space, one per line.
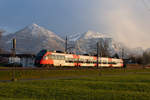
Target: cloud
127 20
128 25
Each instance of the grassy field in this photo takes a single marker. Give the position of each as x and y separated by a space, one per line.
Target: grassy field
44 73
107 84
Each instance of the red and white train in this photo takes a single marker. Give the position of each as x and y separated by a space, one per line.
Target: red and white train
49 59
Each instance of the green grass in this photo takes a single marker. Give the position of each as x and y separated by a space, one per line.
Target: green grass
42 74
113 84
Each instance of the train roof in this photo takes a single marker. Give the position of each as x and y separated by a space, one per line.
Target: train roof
61 52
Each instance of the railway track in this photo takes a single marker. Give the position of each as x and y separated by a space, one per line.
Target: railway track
52 68
68 68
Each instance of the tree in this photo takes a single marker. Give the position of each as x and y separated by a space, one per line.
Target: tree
104 48
146 58
101 47
116 55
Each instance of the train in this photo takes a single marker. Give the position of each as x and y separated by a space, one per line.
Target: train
46 58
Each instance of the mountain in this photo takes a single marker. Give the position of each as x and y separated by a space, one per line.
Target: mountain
74 37
87 35
33 38
86 43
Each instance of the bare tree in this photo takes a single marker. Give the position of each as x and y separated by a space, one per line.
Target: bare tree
104 48
146 58
101 47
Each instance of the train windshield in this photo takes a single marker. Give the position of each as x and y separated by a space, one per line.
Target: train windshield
40 54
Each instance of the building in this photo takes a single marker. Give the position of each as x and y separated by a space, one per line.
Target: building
24 60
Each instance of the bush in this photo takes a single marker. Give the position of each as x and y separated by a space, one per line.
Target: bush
146 58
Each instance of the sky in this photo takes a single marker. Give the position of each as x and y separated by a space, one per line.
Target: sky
127 20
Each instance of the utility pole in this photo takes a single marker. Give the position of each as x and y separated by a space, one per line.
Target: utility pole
1 31
98 58
122 53
13 55
97 53
66 44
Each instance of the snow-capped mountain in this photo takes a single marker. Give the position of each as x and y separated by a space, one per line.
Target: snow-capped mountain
87 43
74 37
91 35
87 35
33 38
5 33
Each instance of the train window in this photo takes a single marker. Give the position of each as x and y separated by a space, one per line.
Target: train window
52 56
110 62
66 60
58 57
48 56
89 61
76 60
104 62
84 61
100 62
80 60
94 61
72 60
62 57
113 63
69 60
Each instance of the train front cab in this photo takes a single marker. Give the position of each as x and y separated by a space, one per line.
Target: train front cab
39 58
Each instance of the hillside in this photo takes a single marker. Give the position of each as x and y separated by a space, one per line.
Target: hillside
33 38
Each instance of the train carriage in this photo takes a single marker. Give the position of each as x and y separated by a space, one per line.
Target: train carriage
87 61
49 59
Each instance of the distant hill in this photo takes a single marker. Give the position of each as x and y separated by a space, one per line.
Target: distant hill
86 43
33 38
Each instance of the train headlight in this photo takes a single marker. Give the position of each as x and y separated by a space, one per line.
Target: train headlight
45 58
